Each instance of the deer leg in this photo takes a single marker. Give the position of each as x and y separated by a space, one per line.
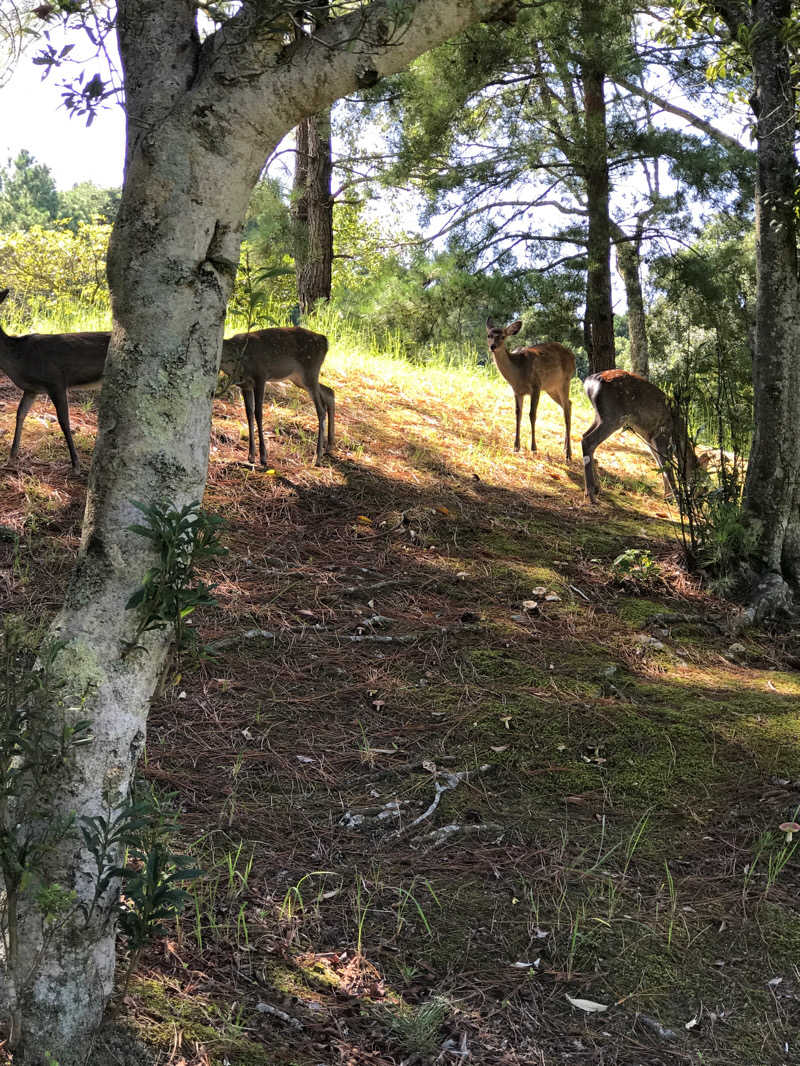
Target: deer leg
518 412
25 405
258 399
62 410
534 407
594 435
564 402
315 393
330 405
249 407
665 469
567 405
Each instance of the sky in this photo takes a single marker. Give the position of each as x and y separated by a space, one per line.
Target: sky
33 118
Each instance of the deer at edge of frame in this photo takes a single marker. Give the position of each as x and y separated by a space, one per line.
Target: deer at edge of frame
51 363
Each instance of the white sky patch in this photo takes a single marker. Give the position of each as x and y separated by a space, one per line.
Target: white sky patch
34 118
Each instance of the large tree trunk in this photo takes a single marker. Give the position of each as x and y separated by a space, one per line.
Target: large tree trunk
598 282
313 211
201 120
772 488
313 202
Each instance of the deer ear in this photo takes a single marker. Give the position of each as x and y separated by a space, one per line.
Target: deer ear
515 327
489 323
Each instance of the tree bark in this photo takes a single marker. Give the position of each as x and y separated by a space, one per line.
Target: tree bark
629 266
599 311
201 120
313 211
772 487
313 201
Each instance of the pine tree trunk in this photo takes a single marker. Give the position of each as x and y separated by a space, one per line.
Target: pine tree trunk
772 489
313 211
299 209
628 264
598 281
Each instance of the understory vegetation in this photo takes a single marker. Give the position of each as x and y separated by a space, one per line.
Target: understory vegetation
470 767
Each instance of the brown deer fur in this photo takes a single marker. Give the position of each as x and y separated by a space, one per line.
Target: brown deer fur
288 353
549 367
51 363
626 401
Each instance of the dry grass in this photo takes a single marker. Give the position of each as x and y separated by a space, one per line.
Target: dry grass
426 814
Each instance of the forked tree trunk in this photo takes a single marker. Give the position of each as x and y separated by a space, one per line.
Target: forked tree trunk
201 120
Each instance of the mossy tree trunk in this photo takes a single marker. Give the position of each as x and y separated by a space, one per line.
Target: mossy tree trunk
201 119
772 487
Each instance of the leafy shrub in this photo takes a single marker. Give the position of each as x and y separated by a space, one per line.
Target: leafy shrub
44 267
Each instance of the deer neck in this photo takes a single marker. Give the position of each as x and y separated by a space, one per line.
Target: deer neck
511 371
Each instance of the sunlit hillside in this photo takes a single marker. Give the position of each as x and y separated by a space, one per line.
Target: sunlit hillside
475 771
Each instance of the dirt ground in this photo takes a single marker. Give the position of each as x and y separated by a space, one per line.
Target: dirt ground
463 790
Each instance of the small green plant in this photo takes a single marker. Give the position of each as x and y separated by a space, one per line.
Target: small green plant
294 902
724 540
152 876
417 1029
152 893
409 900
184 540
636 564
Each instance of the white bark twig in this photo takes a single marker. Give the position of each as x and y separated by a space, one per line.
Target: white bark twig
266 1008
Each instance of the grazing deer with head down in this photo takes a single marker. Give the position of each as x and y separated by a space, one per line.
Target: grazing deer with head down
626 401
291 352
51 363
549 366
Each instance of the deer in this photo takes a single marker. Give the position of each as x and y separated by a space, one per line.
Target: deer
289 352
51 363
622 400
549 366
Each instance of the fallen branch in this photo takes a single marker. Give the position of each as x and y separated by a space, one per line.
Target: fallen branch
666 619
444 833
265 1008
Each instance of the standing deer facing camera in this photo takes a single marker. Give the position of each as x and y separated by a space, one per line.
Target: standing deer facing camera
51 363
291 352
549 366
626 401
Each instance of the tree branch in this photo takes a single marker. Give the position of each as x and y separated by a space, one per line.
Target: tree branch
681 112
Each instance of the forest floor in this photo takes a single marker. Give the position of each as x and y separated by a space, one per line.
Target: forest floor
462 790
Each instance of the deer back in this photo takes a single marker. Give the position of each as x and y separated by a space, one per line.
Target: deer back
44 361
273 354
622 398
543 366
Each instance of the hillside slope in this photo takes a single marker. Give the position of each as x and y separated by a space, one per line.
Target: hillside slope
446 767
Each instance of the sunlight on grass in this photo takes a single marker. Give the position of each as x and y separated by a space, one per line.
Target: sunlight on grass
451 404
372 638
